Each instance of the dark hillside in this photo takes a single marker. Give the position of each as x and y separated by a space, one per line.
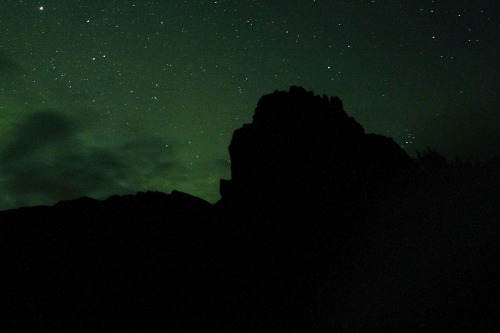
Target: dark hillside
321 228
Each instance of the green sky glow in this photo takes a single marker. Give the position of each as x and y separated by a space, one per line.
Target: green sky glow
105 97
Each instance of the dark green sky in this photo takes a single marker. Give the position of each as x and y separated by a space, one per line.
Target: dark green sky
105 97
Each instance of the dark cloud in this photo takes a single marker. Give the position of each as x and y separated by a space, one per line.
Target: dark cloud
17 85
38 130
7 65
45 161
12 80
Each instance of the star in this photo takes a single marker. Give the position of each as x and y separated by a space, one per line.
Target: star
159 65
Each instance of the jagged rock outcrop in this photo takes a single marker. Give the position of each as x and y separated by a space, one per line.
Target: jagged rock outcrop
301 147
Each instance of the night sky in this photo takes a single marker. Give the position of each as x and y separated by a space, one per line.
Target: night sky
119 96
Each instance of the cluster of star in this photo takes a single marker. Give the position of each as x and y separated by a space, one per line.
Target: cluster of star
179 77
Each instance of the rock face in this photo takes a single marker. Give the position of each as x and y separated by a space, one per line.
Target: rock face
303 147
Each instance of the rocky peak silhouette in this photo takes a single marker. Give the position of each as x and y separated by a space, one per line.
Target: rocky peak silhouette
301 147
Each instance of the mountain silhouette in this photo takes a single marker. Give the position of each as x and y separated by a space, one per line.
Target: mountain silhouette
302 148
321 228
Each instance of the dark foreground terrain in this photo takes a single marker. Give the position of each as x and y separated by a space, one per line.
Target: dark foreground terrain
322 228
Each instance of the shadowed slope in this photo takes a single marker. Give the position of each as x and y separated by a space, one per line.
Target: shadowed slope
322 228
